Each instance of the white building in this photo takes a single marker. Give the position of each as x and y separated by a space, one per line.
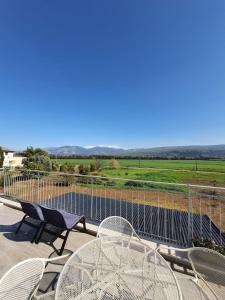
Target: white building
10 159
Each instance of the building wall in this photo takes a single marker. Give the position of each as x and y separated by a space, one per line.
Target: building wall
11 161
8 157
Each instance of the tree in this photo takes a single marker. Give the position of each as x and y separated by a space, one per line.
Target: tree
31 151
37 159
1 157
98 164
115 164
37 162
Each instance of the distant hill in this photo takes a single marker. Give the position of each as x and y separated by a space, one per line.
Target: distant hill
211 151
77 150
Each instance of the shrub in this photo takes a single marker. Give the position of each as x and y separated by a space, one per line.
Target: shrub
56 166
30 151
1 157
98 164
67 180
131 183
1 181
210 244
92 167
84 169
115 164
37 162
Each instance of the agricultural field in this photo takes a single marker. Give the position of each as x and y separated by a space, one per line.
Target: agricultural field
191 165
177 171
190 177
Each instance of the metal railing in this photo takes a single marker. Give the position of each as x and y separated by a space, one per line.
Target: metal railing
169 212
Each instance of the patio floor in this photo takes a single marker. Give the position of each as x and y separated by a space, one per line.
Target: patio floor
15 248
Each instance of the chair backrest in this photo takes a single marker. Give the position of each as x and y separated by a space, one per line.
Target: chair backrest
116 226
53 217
21 281
32 210
209 265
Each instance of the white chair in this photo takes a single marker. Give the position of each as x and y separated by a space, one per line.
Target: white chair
209 266
116 226
22 280
209 270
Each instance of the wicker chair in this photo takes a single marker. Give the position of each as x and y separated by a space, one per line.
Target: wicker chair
116 226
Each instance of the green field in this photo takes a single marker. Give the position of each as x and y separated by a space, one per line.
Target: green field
177 171
192 177
191 165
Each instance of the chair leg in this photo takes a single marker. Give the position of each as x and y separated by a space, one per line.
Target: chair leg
21 223
84 226
36 232
64 242
38 237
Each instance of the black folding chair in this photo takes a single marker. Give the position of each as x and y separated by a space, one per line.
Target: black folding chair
31 211
62 220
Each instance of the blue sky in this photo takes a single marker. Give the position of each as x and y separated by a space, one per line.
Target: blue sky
132 73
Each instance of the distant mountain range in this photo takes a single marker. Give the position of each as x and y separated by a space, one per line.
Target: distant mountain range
211 151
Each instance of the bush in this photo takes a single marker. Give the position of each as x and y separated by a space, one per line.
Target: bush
1 181
131 183
1 158
37 162
67 180
98 164
30 151
56 166
210 244
83 169
68 168
92 167
115 164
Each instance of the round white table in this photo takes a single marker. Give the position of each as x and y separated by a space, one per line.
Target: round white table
117 268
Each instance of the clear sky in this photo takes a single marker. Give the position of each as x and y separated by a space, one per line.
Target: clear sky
132 73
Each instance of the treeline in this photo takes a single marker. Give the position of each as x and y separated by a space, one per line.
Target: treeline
52 156
38 159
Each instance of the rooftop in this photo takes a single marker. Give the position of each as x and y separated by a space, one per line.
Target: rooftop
6 149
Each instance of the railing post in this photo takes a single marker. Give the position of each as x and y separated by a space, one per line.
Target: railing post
4 176
92 197
189 215
38 187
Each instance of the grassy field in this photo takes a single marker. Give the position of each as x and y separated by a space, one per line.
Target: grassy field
192 177
177 171
191 165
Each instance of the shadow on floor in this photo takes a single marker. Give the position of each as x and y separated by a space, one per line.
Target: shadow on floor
52 272
26 233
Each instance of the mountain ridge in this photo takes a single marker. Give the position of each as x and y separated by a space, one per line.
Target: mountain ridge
191 151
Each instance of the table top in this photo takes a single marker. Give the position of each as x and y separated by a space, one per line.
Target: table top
117 268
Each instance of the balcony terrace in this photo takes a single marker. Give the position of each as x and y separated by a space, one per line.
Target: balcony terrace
160 216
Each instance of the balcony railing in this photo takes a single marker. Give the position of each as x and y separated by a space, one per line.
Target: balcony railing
167 212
